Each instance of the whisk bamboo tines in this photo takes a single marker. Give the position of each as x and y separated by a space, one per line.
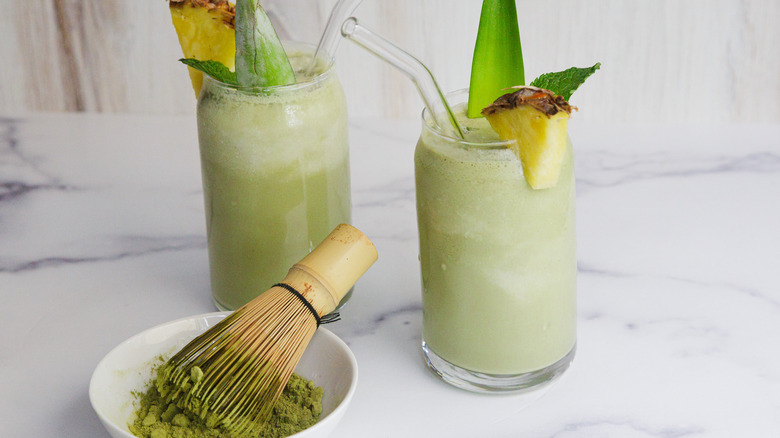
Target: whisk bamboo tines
232 374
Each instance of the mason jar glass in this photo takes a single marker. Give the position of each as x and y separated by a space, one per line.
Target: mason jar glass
498 261
275 167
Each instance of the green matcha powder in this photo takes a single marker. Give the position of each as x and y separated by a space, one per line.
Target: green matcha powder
298 407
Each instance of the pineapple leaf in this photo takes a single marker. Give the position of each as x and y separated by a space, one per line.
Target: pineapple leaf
564 83
215 69
260 56
498 56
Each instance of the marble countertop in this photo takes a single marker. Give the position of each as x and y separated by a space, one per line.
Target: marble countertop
102 235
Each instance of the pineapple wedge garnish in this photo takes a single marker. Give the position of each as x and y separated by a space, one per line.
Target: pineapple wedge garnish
205 31
538 121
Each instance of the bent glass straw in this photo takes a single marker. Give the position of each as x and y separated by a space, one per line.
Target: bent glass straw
416 71
330 36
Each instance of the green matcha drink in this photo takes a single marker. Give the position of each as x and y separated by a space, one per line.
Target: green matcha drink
275 164
498 260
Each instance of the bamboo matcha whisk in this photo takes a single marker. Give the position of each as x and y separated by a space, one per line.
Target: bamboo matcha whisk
233 373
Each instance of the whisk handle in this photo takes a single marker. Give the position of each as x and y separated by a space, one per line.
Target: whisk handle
334 266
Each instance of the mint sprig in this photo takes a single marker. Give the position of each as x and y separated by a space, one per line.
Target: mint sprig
564 83
215 69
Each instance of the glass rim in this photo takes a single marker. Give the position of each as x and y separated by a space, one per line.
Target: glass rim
306 48
430 126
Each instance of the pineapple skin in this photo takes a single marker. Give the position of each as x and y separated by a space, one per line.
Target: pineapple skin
205 32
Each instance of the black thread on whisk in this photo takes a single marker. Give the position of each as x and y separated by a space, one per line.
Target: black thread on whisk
330 317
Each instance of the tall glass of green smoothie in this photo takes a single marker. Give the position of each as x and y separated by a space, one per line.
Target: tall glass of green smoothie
497 258
275 166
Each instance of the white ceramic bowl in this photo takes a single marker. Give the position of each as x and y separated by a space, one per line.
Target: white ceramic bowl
327 361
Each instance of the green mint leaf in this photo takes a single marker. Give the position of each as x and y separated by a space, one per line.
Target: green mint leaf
498 57
215 69
564 83
260 56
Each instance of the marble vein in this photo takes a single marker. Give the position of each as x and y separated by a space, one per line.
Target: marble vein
601 169
29 176
624 428
141 247
14 189
377 321
767 297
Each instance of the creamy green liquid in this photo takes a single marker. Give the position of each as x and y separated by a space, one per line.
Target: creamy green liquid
275 177
498 258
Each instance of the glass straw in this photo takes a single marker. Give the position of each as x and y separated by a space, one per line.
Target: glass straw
330 36
416 71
